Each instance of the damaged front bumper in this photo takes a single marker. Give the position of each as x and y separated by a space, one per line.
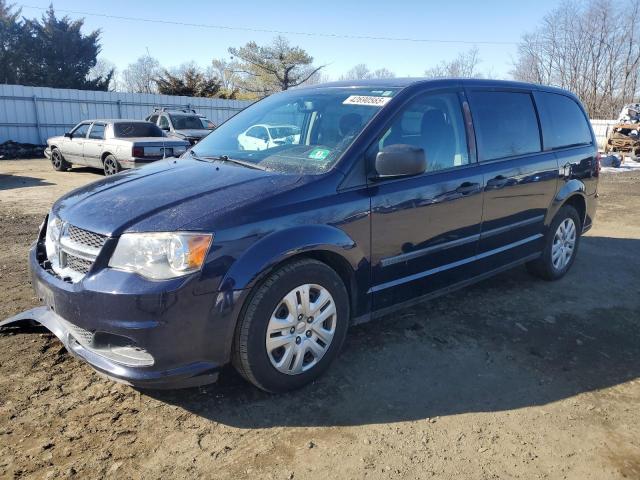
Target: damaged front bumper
154 335
100 360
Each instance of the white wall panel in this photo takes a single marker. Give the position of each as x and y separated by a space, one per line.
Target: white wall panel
33 114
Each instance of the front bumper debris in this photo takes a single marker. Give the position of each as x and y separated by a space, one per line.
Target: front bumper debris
187 376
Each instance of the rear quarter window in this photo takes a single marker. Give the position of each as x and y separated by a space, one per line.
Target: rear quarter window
505 123
563 123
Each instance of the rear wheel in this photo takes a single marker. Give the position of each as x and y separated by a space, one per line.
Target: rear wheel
58 162
111 165
293 327
561 245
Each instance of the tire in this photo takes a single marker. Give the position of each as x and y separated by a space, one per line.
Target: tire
111 165
58 162
556 262
309 344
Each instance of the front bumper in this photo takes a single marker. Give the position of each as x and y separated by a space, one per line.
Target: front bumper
187 376
186 329
47 153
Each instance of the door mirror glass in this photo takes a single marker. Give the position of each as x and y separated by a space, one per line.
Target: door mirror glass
68 135
400 161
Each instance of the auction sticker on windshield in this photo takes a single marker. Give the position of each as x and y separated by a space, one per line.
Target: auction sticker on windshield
366 100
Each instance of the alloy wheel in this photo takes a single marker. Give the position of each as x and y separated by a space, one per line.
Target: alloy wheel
110 167
301 329
56 159
564 243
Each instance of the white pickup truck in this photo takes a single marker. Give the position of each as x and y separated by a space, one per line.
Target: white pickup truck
112 145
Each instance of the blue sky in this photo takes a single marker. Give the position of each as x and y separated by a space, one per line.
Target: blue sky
469 21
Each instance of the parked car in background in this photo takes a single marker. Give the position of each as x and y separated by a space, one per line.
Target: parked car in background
262 137
394 191
183 124
112 145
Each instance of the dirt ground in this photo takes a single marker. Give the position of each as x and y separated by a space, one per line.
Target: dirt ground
511 378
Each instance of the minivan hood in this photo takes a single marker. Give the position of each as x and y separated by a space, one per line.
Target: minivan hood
166 195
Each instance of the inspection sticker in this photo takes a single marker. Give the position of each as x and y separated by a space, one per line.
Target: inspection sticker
366 100
319 153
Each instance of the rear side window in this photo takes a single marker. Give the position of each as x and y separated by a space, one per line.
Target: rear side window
564 124
506 124
136 129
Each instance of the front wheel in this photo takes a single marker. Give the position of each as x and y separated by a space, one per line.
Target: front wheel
58 162
111 165
293 327
561 245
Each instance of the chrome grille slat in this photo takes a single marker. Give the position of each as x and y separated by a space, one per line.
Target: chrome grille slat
77 251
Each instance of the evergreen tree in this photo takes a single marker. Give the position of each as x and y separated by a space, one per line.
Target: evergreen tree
190 82
62 55
10 36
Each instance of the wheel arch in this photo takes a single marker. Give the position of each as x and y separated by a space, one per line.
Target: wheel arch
323 243
572 193
105 155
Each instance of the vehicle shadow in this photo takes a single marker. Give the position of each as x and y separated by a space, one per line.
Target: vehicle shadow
509 342
10 182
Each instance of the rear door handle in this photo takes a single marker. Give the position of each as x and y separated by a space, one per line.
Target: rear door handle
497 182
468 187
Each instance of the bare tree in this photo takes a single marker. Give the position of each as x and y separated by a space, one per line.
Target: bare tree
383 73
589 47
362 72
140 76
272 68
465 65
358 72
104 69
226 71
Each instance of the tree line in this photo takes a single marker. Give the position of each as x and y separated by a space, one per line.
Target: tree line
591 48
54 52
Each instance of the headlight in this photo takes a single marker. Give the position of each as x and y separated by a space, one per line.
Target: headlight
54 225
161 256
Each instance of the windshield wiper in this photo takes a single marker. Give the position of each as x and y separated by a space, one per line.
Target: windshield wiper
225 158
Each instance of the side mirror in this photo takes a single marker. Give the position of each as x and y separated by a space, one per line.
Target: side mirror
400 161
68 135
165 128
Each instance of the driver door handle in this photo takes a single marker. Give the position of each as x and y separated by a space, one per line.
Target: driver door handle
468 187
497 182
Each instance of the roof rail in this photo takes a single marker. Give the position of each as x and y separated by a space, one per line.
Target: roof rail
174 108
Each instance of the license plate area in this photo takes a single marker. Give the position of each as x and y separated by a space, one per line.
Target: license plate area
46 296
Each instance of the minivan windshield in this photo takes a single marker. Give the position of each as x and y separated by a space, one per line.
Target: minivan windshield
298 131
186 122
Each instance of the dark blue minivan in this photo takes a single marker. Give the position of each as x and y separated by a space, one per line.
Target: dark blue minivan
312 210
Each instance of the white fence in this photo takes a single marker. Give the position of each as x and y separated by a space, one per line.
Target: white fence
601 129
33 114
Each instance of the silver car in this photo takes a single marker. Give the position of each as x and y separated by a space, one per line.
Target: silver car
112 145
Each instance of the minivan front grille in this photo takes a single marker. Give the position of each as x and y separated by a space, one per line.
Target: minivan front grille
85 237
76 251
78 264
